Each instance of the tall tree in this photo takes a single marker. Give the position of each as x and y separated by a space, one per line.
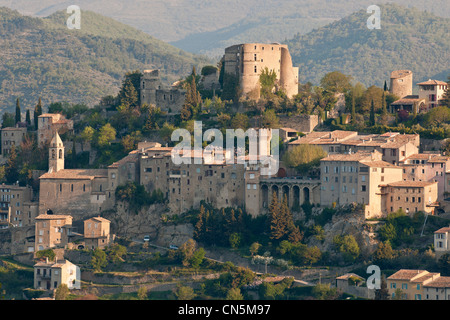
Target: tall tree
383 104
383 292
353 114
37 113
372 114
385 86
445 101
18 113
28 118
193 99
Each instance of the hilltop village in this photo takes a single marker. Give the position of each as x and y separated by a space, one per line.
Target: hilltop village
357 176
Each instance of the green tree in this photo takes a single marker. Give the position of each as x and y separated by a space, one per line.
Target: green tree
234 294
193 100
184 293
62 292
353 109
240 121
106 135
129 94
186 252
46 253
18 117
348 246
12 167
116 252
254 248
37 113
8 120
383 292
372 114
383 251
267 81
269 119
445 101
304 157
87 135
324 292
98 259
336 82
142 293
28 118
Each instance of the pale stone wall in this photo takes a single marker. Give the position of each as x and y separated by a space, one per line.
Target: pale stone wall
401 83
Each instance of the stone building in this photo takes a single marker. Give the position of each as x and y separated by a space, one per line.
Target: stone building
153 92
81 192
49 123
97 233
50 275
432 91
356 178
247 61
15 205
12 136
410 196
442 242
52 230
401 83
427 167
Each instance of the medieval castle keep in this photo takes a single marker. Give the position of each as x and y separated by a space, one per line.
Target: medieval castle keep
247 61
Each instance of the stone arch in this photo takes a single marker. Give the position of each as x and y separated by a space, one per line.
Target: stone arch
306 195
285 191
265 195
296 196
275 189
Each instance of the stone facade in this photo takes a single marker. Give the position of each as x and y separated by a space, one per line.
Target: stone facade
97 232
247 61
12 136
401 83
52 231
49 123
154 92
50 275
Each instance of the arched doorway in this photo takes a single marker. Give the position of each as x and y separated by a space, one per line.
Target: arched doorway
296 197
275 190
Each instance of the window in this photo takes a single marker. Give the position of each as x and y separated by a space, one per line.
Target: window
404 286
363 188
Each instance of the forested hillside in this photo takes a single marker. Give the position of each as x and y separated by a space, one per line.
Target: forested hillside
43 58
408 39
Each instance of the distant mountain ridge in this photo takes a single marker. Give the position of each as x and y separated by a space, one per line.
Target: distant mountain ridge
408 39
41 57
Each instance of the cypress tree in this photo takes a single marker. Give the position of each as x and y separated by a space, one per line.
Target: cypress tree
372 114
385 86
18 115
37 113
383 104
353 115
28 118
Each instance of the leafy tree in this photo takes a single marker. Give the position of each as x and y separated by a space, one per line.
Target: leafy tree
193 100
348 246
186 252
62 292
106 135
384 251
116 252
98 259
336 82
46 253
142 293
184 293
267 81
8 120
87 134
437 116
324 292
254 248
234 294
12 167
304 157
197 258
240 121
269 119
18 117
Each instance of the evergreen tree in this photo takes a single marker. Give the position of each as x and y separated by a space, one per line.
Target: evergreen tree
193 99
445 101
383 292
18 114
383 104
11 170
353 115
372 114
37 113
385 86
28 118
128 95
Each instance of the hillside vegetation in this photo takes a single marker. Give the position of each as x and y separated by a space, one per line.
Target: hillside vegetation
408 39
43 58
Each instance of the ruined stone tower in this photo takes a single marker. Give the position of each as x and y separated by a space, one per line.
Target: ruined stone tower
247 61
401 83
